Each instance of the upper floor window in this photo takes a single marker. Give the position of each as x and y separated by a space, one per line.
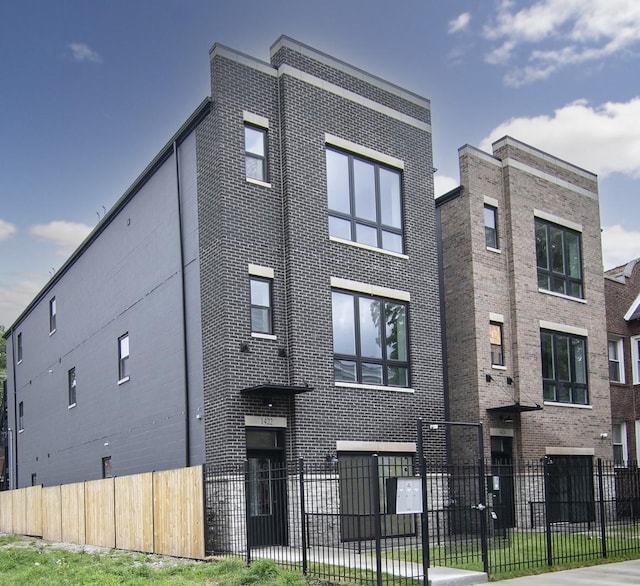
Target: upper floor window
497 349
52 315
106 467
123 358
19 349
370 340
255 147
635 359
559 258
71 376
564 367
261 303
616 361
21 416
491 226
364 199
619 440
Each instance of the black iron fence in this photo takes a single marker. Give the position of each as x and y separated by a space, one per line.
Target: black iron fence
352 520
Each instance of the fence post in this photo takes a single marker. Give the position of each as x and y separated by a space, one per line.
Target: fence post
482 495
425 511
377 520
603 531
547 517
303 518
247 504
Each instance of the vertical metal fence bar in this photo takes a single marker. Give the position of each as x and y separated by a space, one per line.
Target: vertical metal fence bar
425 506
547 511
482 495
303 517
247 512
377 520
603 522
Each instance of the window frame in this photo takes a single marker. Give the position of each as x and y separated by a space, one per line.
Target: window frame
635 359
500 326
19 347
52 315
72 386
269 308
106 464
548 272
557 383
20 416
123 360
623 444
357 358
495 245
619 346
354 220
262 159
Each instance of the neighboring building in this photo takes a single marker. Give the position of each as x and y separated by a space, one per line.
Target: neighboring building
267 289
524 307
622 291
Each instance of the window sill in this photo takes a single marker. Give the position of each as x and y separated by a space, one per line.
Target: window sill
367 247
123 380
52 332
498 367
619 383
19 362
496 250
21 431
561 295
71 406
374 387
570 405
263 336
258 182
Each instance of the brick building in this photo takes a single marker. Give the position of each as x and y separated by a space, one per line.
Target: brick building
524 302
622 293
267 289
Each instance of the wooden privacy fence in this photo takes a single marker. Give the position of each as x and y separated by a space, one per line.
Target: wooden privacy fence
155 512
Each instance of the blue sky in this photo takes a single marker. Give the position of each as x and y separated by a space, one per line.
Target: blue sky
91 90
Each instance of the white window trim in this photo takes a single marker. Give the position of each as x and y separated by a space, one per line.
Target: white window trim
71 406
496 317
549 325
496 250
367 247
264 336
634 360
374 387
625 447
562 296
367 289
258 182
357 149
260 271
123 380
571 405
620 344
557 220
255 119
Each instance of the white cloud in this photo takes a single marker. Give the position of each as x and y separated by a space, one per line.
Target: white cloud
15 296
443 184
576 31
82 52
619 246
6 230
65 236
603 139
460 23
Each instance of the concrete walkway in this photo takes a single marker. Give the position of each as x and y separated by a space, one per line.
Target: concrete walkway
617 574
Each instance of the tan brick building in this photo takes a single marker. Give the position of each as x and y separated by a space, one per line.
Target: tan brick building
523 292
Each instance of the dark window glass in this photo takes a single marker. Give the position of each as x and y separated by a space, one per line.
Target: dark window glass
123 357
370 340
20 347
364 200
72 386
20 416
559 259
564 368
495 337
261 313
490 226
569 488
255 146
52 315
106 467
614 361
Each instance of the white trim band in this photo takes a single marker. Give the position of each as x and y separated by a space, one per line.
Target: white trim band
557 451
491 201
367 289
255 119
557 220
362 150
364 446
549 325
497 317
260 271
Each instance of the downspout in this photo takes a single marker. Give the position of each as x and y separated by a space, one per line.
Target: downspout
14 463
185 365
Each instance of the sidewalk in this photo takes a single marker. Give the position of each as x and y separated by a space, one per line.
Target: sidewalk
617 574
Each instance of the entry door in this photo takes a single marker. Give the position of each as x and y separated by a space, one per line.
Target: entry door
502 485
266 493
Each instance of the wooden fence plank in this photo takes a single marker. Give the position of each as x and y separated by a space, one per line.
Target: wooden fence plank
100 522
73 524
19 511
6 512
134 512
33 511
52 513
178 512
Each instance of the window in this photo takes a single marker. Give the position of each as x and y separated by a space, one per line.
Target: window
72 386
495 336
34 479
20 347
616 361
490 226
619 440
370 341
52 315
106 467
564 367
255 146
364 200
21 416
261 313
635 359
559 258
123 358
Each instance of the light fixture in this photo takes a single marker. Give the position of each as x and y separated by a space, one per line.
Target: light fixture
604 435
488 378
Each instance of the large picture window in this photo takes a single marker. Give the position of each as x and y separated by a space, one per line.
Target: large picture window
364 199
564 367
370 340
559 259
